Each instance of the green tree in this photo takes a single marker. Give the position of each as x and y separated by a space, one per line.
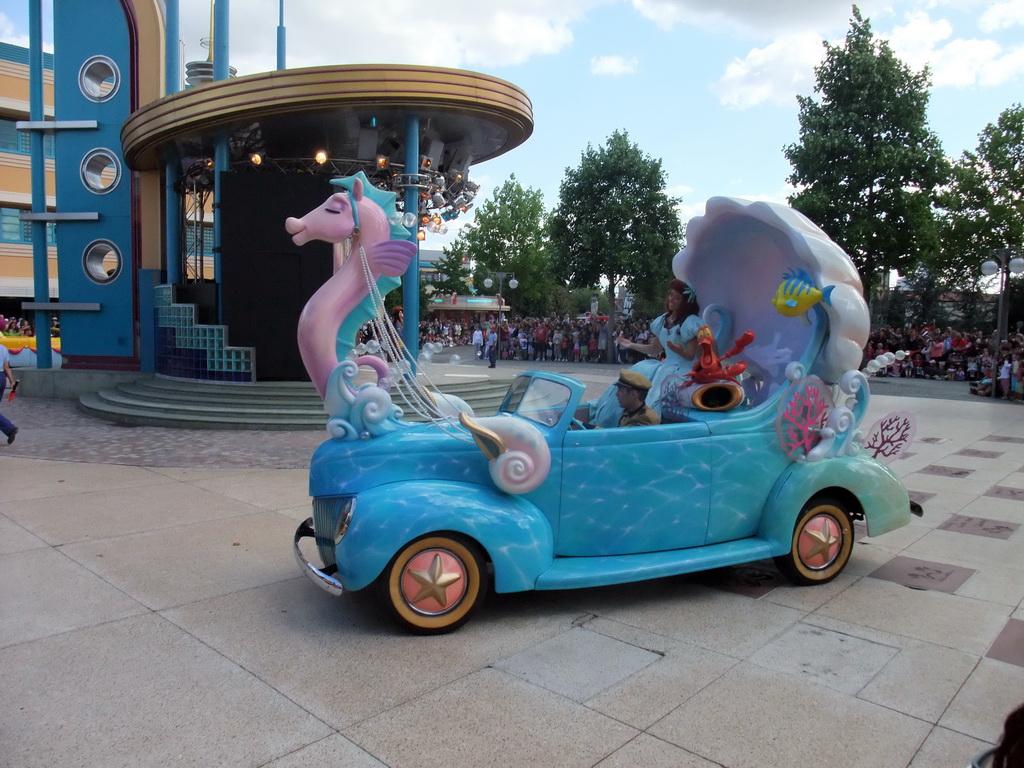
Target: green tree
983 208
917 297
614 222
453 272
507 235
867 167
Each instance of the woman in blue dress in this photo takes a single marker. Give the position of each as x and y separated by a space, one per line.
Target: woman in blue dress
674 334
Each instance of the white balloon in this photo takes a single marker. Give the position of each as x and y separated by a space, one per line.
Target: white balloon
873 366
887 359
424 359
901 355
360 349
373 346
454 360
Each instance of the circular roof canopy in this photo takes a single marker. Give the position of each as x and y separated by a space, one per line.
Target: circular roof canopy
351 111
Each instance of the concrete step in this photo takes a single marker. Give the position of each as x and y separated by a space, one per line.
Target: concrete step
141 392
167 402
150 415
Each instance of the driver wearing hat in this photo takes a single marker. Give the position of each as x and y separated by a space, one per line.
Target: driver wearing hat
632 394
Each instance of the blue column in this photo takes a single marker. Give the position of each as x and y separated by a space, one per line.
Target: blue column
411 281
221 66
221 71
280 38
149 279
40 257
172 167
172 54
172 219
220 164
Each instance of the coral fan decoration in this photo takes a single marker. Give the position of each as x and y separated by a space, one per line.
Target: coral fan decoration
890 436
802 417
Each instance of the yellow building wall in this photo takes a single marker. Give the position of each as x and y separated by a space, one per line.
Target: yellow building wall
16 180
14 90
16 260
150 18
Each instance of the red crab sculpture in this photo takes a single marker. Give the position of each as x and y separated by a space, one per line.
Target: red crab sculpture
708 368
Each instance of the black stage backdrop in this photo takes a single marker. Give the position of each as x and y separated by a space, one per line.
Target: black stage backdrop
266 279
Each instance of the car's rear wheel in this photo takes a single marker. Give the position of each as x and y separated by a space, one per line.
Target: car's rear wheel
434 584
822 542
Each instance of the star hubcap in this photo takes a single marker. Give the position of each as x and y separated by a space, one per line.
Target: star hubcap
433 581
820 541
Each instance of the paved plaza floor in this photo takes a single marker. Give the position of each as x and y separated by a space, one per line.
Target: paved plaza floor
151 614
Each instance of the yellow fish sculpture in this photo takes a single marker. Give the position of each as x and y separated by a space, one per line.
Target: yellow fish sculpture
797 294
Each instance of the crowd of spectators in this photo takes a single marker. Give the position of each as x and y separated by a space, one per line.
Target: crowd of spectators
20 326
988 366
556 338
991 366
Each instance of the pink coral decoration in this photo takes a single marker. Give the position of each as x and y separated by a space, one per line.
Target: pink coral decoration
890 436
801 417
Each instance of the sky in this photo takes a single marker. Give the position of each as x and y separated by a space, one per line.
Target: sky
708 88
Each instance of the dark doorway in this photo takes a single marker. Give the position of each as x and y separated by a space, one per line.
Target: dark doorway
266 279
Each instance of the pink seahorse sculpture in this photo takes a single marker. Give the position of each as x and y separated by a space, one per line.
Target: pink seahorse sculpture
344 215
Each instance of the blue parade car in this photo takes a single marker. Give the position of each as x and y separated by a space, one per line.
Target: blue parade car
769 464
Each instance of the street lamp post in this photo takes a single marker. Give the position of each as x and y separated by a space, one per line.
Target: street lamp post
513 284
1003 262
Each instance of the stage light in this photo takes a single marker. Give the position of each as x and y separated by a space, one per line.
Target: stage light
382 162
321 157
421 235
256 158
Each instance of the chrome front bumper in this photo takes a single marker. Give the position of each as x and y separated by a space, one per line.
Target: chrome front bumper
325 581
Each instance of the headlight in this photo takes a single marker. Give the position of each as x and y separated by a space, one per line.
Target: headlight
344 518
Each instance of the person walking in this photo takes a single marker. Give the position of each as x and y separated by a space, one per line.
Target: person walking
5 365
492 347
478 343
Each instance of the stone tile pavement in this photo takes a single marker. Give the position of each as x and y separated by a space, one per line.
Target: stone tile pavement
151 614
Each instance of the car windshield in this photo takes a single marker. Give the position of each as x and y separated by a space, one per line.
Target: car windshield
537 400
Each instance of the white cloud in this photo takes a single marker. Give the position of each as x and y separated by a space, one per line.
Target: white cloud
750 16
784 68
9 32
954 62
397 31
687 212
615 66
774 74
1002 16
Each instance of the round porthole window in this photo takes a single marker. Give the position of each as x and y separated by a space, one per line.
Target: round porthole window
102 261
99 78
101 170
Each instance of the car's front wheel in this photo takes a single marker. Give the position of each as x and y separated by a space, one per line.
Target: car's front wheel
434 584
822 542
